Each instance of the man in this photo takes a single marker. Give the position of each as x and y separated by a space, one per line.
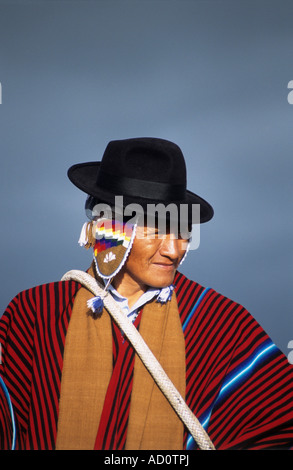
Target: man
71 378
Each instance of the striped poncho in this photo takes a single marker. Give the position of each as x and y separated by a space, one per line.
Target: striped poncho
238 383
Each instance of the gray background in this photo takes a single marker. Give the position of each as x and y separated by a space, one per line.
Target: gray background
210 75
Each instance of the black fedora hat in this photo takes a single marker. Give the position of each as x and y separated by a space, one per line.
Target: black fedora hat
144 171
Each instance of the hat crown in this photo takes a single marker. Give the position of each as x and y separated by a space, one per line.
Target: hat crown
145 158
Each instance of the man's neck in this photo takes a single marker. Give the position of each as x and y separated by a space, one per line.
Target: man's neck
128 288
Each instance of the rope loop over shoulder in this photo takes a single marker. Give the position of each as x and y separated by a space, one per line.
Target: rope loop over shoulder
149 360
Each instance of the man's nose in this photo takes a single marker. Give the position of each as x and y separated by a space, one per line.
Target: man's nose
170 247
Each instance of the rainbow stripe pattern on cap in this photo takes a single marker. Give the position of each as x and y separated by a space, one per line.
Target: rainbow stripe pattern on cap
112 233
113 241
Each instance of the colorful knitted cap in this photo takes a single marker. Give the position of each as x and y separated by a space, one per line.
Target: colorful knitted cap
113 242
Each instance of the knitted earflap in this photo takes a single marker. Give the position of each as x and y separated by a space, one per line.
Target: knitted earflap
111 241
86 237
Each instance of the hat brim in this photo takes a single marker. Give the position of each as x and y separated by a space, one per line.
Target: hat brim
84 177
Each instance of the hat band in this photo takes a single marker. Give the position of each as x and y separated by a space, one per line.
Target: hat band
122 185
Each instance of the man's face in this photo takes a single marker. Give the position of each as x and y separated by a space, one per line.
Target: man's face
153 261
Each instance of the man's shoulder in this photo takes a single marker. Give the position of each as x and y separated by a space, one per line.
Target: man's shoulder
44 294
191 292
204 312
183 282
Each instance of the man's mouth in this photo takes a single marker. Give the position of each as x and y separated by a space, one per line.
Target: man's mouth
166 266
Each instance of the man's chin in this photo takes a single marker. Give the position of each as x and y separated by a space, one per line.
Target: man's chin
162 281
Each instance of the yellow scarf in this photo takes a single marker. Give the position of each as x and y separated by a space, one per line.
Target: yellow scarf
87 368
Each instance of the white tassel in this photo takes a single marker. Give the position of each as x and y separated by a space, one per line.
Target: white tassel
96 304
83 240
165 294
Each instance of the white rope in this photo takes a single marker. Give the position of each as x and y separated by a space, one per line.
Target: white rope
151 363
